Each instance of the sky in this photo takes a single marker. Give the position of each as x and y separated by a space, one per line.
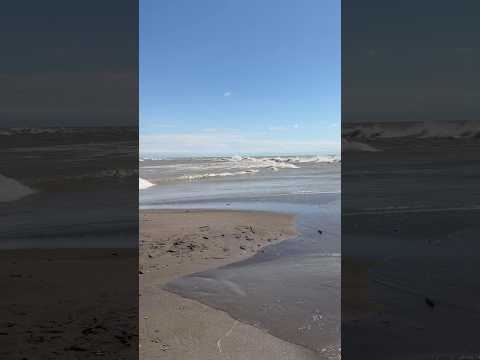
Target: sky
410 60
258 74
239 77
69 63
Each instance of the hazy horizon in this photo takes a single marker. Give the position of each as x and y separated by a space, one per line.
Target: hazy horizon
216 155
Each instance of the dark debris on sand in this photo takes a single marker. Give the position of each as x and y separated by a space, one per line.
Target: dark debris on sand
111 336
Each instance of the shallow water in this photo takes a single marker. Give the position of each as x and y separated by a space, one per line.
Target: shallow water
85 219
292 289
84 182
411 211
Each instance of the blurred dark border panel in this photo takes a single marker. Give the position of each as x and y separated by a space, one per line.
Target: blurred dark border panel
68 180
410 170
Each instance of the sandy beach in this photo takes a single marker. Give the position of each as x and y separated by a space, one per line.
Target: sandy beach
177 243
68 304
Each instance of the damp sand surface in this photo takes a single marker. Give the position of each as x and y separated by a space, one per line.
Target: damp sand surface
68 304
174 244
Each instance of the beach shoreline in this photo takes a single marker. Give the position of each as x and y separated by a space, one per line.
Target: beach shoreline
176 243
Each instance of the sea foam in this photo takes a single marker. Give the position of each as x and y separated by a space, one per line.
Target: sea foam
412 129
209 175
144 184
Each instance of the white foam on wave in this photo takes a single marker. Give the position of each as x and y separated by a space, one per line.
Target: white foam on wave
209 175
419 129
210 167
308 159
144 184
259 163
11 190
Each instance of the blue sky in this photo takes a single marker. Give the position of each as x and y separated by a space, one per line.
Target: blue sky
239 77
69 63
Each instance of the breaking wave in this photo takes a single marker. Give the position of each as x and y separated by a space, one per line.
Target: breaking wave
210 175
291 162
356 146
195 168
417 129
251 162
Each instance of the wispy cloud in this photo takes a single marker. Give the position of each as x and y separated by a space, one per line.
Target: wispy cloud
227 93
283 127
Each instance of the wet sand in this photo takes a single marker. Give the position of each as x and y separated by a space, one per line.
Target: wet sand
174 244
292 289
410 248
68 304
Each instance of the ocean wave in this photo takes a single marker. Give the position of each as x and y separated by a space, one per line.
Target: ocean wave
11 190
260 162
422 130
210 175
281 162
236 158
356 146
308 159
106 173
35 131
11 131
144 184
208 167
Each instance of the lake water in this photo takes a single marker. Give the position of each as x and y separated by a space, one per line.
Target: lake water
293 288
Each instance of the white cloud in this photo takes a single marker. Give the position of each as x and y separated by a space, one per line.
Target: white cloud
283 127
227 93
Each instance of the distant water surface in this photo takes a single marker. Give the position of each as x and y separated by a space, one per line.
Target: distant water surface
83 187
